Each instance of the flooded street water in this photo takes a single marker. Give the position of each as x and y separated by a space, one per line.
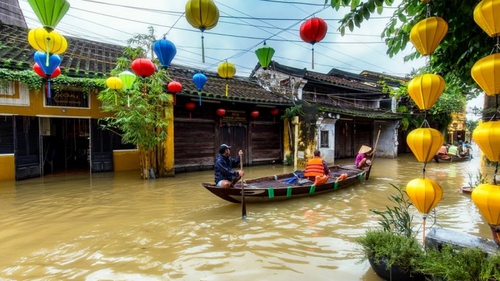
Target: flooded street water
115 226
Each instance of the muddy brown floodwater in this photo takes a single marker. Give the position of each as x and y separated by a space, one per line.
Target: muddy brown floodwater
114 226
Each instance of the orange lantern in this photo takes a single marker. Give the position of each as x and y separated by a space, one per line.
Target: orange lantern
427 34
485 73
226 70
487 200
425 143
487 137
486 15
425 89
190 106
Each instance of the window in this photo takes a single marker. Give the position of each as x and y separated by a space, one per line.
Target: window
324 139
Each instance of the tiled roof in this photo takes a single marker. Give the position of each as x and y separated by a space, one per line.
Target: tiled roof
85 58
240 88
341 81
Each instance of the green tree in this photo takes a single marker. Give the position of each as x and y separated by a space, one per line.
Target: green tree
139 114
464 44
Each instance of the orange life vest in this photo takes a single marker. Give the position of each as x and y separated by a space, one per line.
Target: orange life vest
314 168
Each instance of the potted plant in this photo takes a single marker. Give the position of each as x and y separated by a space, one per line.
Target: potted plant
393 250
394 253
474 180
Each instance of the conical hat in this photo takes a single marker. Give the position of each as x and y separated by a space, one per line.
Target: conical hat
364 149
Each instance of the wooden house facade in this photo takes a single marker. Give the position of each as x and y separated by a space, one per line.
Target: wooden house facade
40 135
340 111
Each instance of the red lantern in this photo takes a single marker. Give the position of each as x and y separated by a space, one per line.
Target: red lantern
274 112
254 114
174 87
221 112
38 70
190 106
143 68
312 31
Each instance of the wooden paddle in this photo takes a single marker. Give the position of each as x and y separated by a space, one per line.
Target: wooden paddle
243 207
373 156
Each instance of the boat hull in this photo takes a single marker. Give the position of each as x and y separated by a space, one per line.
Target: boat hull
274 188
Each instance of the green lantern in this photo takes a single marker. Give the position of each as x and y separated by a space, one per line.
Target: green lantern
49 12
264 54
128 79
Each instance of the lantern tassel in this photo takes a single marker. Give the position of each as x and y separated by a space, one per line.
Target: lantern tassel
199 98
202 47
116 99
190 114
220 123
175 98
144 90
128 100
49 94
227 90
423 231
312 63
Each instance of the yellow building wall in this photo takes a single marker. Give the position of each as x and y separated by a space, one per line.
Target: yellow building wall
126 160
7 170
11 104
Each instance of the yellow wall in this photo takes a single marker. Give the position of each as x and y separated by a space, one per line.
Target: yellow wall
37 108
126 160
7 172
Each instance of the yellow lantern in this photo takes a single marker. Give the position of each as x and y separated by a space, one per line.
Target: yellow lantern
204 15
487 199
424 193
114 83
226 70
43 41
427 34
426 89
425 143
487 15
486 74
487 137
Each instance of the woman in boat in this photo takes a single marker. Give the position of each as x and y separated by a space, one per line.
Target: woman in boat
362 160
225 177
316 166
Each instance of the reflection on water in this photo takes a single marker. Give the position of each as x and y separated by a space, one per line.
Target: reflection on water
118 227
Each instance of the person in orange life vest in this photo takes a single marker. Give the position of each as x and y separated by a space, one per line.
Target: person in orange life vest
316 167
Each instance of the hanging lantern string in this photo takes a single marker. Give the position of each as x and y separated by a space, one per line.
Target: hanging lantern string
496 48
428 12
423 170
173 25
312 62
495 174
425 123
424 218
48 52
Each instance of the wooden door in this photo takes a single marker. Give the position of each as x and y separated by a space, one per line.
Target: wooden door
236 137
26 147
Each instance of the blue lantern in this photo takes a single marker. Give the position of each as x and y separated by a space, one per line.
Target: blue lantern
48 66
165 51
199 80
53 62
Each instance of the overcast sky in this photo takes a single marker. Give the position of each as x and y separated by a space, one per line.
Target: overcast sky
243 26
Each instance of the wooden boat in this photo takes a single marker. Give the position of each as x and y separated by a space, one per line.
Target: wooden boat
288 185
450 158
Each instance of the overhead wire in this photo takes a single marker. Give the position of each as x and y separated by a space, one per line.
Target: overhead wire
241 52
